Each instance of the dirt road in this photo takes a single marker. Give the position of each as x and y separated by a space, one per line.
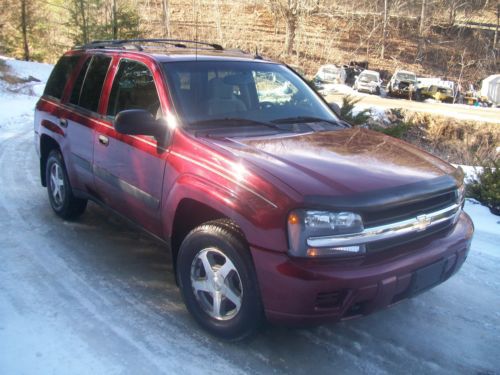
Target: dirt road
97 296
459 111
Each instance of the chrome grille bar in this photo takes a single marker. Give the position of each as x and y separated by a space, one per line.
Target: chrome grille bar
387 231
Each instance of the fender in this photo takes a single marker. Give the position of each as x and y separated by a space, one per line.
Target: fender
261 224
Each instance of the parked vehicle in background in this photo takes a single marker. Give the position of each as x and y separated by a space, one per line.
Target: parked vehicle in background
368 81
438 93
490 90
354 69
403 83
271 206
330 74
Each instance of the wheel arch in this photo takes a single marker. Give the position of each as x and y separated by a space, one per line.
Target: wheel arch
47 144
191 213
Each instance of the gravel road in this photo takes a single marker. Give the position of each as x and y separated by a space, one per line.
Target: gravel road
97 296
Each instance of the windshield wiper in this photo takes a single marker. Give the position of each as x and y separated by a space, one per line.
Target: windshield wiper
231 121
306 119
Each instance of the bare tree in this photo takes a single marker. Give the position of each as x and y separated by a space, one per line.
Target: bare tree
384 29
113 19
292 11
495 38
218 18
422 18
166 18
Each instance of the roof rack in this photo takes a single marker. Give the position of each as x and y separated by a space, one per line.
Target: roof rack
138 43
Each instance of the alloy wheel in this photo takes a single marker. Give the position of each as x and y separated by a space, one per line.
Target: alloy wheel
57 186
216 284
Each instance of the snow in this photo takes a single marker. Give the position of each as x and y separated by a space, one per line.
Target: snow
24 69
17 101
338 88
98 297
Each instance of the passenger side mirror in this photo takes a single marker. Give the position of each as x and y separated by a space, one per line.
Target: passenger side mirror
139 122
335 108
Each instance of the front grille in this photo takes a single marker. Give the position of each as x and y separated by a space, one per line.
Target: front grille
410 210
403 85
408 238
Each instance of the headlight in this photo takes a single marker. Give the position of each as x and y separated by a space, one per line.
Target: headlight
303 224
461 194
460 175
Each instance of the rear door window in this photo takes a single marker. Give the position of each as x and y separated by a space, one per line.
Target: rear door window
134 88
60 75
77 87
94 80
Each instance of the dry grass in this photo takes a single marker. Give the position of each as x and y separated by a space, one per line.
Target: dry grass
461 142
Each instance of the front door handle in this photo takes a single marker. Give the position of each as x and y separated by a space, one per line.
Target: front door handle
63 122
103 140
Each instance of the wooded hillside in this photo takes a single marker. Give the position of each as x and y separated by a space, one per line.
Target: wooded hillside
448 38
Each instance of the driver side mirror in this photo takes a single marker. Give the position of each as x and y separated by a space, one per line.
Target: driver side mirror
139 122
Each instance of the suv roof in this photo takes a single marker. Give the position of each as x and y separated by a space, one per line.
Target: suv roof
171 49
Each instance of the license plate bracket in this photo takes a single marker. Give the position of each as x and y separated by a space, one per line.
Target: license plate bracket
426 277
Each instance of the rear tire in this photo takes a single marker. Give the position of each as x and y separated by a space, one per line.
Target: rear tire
218 281
61 197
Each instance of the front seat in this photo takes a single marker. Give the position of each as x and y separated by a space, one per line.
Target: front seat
222 100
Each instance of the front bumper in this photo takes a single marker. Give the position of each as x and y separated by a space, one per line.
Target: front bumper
368 89
304 291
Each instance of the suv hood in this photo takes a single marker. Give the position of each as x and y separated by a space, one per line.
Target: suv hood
344 162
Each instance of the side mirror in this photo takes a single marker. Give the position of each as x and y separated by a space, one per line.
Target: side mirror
335 108
139 122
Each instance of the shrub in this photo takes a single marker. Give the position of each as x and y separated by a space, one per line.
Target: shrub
348 114
397 127
398 131
486 186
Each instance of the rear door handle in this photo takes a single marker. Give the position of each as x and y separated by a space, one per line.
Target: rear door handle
63 122
103 140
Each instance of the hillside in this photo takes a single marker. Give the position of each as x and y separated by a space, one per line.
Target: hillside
451 43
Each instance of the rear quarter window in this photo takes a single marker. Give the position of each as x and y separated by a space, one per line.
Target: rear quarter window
60 75
94 80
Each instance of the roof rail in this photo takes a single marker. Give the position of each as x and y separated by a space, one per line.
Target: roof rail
137 43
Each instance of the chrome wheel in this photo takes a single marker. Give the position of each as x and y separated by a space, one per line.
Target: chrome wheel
216 284
57 186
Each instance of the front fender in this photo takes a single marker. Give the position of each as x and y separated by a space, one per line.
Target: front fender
263 224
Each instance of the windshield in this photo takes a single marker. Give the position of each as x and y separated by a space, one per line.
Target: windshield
331 70
368 77
260 92
406 77
445 90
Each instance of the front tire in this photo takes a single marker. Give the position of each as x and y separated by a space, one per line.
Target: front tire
61 197
218 281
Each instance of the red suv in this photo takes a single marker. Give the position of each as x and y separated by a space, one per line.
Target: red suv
271 205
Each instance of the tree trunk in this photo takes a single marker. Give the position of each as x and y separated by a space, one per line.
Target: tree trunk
24 26
83 26
384 30
114 22
166 18
495 38
218 21
422 18
291 27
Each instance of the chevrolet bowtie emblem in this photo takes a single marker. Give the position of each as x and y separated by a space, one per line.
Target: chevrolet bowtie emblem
423 221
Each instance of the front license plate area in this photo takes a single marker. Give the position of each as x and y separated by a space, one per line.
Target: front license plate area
426 277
